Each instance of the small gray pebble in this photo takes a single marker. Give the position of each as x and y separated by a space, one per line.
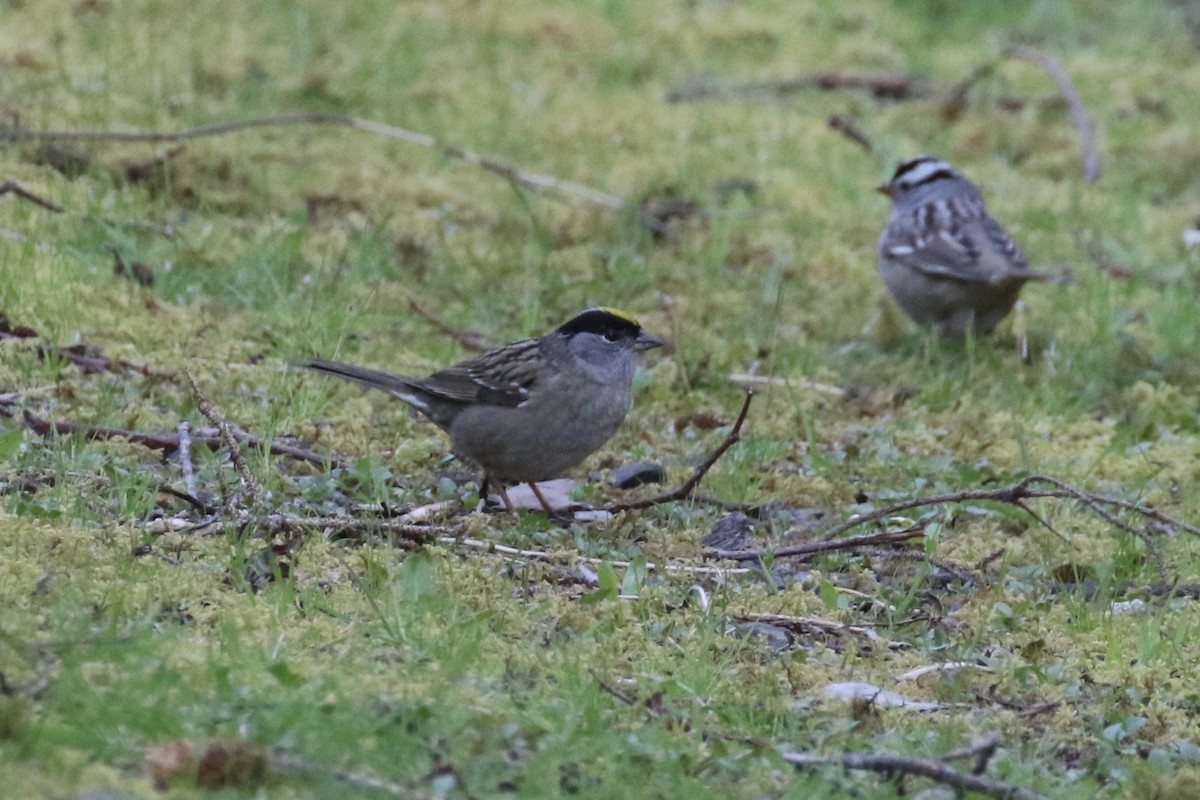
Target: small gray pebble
628 476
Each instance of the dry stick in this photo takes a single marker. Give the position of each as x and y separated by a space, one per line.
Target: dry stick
85 362
1019 491
1012 495
1021 709
191 499
514 174
71 354
1079 112
1095 503
471 340
982 750
616 693
684 489
889 86
815 548
982 563
170 441
1125 505
803 624
416 534
846 126
936 771
13 187
1090 501
249 482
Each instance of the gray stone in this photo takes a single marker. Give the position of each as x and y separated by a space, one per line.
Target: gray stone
628 476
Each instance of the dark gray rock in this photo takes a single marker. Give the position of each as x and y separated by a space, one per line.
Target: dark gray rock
628 476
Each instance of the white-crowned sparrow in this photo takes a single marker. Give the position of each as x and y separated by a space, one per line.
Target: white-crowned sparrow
530 410
945 260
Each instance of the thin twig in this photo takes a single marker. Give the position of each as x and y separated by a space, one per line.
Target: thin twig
514 174
190 498
612 691
1019 491
816 548
417 534
808 624
1042 520
848 128
1012 495
1079 112
76 354
250 484
13 187
982 563
884 86
1021 709
982 750
684 489
937 771
1137 508
169 441
1096 504
470 340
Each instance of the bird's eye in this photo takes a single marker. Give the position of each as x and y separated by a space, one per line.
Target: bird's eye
610 336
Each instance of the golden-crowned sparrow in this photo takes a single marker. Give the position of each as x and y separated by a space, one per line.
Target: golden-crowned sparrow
530 410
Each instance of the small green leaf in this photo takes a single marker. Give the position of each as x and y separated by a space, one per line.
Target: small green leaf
284 674
608 585
635 576
829 595
37 507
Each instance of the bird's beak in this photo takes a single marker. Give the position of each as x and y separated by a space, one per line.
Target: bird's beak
885 188
646 341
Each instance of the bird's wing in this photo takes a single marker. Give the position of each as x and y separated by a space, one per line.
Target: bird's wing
975 251
501 377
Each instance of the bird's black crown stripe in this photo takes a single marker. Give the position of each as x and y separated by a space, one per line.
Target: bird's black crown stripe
607 322
910 165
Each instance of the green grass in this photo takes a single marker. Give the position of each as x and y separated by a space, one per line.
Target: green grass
453 673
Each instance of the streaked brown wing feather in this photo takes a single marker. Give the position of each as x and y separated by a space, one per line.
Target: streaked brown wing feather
499 377
978 250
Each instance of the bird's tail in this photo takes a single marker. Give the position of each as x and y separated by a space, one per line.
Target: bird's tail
397 385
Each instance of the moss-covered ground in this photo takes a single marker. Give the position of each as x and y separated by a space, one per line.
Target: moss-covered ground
448 671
